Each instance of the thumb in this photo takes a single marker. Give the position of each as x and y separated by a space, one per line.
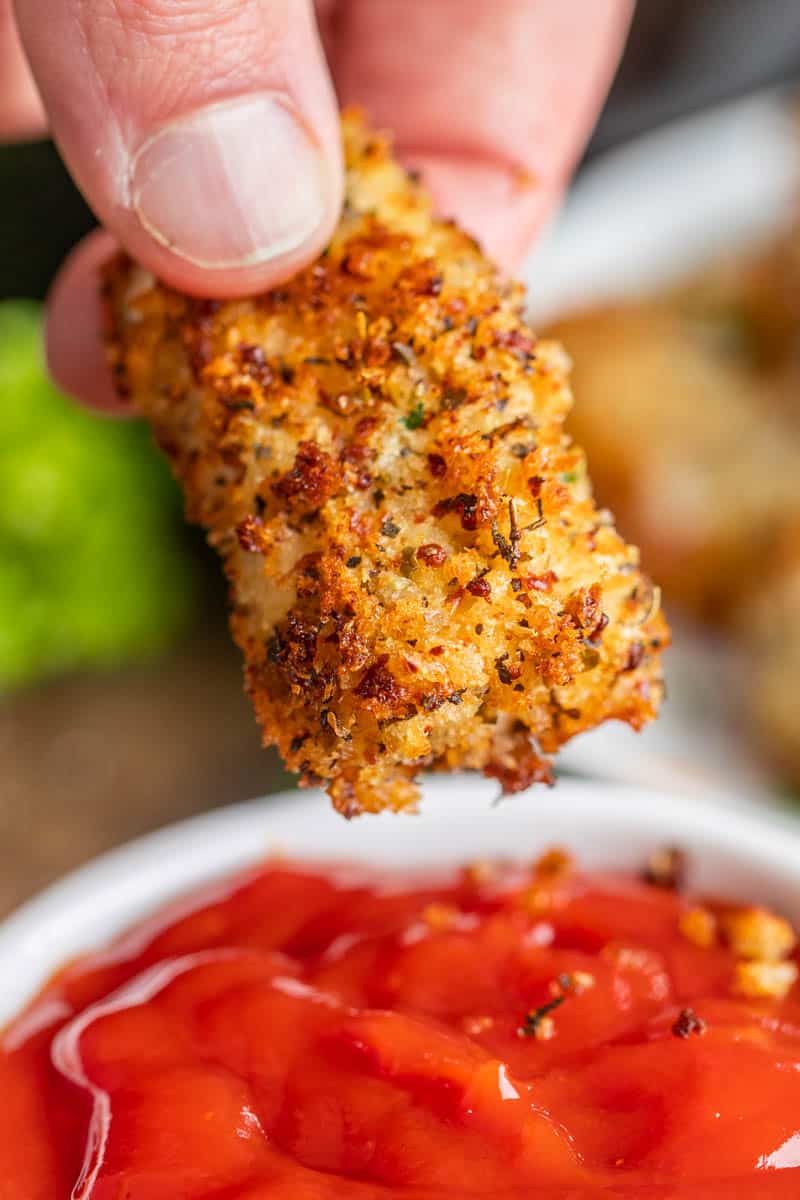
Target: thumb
204 134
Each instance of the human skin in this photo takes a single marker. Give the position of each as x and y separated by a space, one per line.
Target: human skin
205 136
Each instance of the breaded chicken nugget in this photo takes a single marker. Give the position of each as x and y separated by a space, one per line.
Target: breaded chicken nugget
769 625
419 576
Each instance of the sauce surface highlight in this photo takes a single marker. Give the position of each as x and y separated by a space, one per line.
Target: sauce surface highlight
325 1032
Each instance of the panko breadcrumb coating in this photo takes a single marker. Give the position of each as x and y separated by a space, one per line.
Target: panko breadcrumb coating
419 575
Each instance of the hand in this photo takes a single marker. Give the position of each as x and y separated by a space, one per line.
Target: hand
204 133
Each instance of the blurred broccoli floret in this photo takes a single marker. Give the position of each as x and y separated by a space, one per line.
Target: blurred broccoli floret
93 568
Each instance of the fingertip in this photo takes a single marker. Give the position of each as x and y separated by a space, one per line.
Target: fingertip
499 206
22 115
232 198
73 328
207 141
495 101
227 282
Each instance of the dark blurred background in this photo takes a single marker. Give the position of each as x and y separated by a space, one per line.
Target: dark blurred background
115 717
685 55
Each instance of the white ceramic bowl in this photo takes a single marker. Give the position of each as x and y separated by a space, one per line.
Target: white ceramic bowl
730 852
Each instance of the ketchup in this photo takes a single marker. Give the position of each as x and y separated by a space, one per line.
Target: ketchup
322 1032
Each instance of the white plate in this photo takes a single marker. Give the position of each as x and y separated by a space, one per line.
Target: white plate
605 825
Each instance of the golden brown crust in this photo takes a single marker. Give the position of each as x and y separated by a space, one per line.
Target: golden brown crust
419 575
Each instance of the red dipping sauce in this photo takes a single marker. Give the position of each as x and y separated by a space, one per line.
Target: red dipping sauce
307 1032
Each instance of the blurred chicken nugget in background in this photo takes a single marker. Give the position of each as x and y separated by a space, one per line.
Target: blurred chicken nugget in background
689 409
769 627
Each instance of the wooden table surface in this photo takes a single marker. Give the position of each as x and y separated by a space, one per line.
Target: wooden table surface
88 763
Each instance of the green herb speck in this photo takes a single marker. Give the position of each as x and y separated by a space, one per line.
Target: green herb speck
416 417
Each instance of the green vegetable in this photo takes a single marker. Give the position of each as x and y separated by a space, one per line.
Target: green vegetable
416 417
93 570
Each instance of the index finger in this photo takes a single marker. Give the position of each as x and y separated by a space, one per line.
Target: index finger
494 101
21 112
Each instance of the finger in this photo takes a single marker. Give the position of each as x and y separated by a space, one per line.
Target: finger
21 112
75 354
494 102
204 134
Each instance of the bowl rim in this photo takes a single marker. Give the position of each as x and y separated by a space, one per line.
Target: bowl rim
609 823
